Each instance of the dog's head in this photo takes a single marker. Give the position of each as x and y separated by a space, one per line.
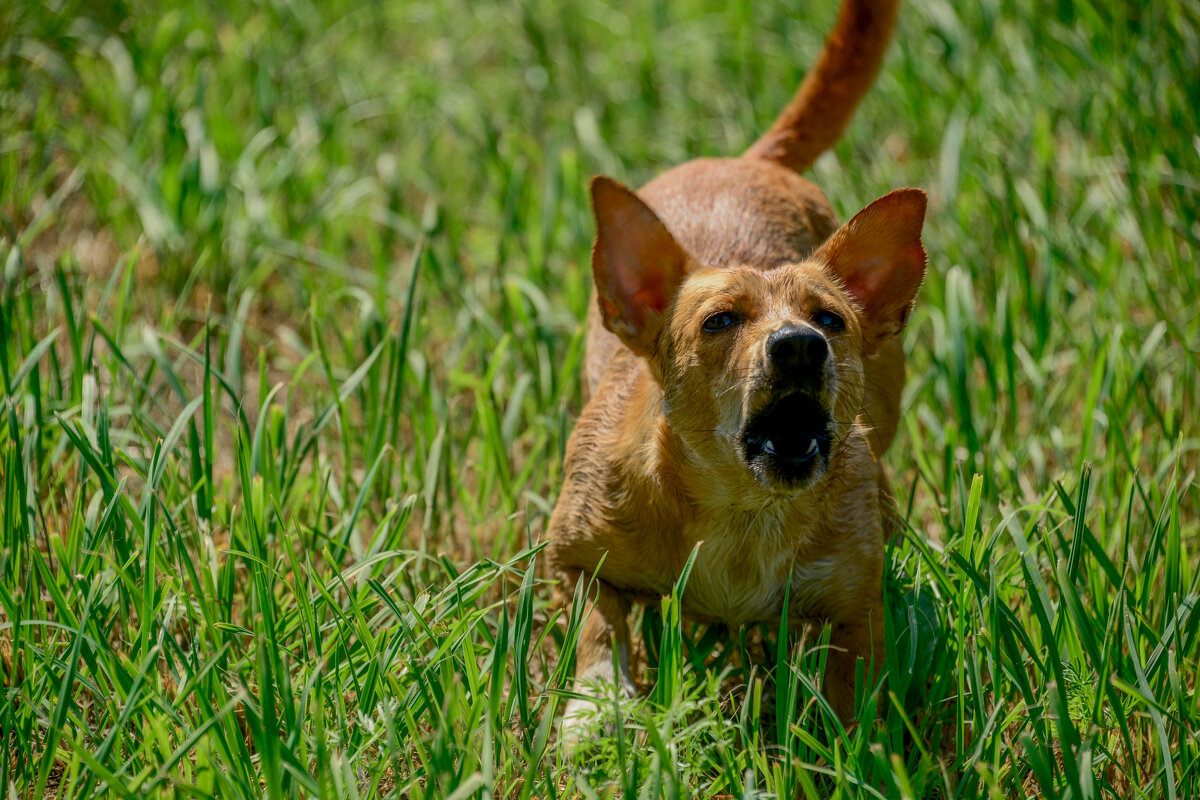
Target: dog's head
761 370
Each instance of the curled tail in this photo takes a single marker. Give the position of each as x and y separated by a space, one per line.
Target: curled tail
822 107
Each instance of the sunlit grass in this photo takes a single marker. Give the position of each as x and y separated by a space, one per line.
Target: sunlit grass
291 340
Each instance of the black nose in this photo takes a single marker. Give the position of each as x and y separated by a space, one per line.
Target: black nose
794 349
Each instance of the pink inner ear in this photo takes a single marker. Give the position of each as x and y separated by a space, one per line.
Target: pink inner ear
650 298
609 308
867 280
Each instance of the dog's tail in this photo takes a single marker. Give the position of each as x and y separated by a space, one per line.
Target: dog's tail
822 107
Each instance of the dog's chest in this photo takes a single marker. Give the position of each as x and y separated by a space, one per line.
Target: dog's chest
741 576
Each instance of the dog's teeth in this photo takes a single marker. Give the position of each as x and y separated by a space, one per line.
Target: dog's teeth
768 446
812 447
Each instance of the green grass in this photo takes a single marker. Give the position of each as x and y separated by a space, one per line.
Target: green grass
290 340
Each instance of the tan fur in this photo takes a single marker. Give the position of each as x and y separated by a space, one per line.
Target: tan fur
659 462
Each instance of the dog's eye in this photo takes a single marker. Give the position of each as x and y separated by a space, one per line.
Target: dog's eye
829 320
719 322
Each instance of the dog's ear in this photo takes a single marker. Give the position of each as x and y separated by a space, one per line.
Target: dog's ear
636 263
880 260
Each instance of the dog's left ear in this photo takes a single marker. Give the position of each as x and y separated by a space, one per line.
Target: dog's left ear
636 263
880 260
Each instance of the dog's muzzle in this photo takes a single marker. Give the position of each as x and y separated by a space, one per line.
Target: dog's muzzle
786 436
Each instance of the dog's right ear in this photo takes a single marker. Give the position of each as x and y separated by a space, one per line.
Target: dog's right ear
636 263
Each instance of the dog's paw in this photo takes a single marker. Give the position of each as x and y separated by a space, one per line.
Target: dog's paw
580 722
594 714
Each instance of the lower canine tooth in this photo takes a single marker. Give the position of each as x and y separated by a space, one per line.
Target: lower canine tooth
768 446
812 447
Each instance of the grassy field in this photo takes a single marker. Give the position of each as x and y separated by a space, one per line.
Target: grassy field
290 336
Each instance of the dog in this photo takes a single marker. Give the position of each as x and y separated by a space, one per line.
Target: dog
743 375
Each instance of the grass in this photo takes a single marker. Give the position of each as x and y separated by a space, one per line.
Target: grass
291 336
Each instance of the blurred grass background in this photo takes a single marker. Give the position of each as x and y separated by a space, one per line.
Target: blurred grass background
291 318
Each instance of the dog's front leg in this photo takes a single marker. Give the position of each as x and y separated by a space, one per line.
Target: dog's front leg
861 638
604 628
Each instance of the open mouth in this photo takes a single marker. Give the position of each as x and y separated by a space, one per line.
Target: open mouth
787 438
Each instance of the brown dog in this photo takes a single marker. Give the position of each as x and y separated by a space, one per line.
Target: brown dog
741 388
